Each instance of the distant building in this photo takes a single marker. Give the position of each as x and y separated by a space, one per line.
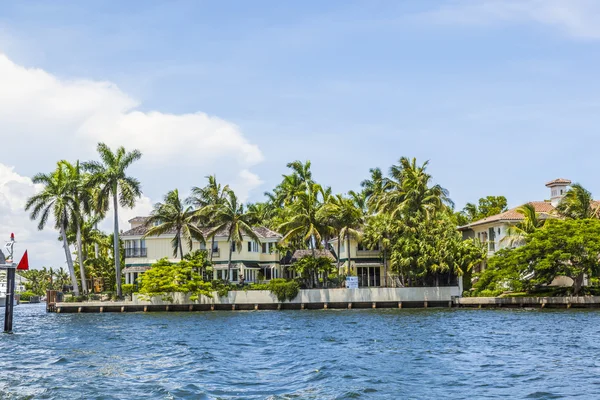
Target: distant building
252 259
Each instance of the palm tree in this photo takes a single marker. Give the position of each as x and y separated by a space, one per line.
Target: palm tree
408 193
373 188
379 230
516 234
57 199
110 177
347 219
205 199
303 221
173 215
231 218
578 203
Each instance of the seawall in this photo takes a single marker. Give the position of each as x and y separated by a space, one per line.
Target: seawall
413 297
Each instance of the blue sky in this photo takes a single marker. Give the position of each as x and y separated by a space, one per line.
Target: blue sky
500 96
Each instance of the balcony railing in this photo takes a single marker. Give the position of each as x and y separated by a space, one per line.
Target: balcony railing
135 252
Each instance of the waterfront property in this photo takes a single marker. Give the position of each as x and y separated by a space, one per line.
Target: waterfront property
365 263
252 261
494 230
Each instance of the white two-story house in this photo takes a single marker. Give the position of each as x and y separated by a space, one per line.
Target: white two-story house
365 263
250 261
492 230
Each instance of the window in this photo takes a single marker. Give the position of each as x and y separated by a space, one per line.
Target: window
142 243
249 246
234 275
264 247
342 248
271 247
202 246
232 246
499 231
215 247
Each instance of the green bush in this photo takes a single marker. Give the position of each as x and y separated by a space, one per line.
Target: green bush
127 289
26 296
283 289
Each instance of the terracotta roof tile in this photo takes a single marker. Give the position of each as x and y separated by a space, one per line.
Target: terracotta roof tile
542 207
261 231
559 181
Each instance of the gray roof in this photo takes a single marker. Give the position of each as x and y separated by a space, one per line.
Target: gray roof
260 231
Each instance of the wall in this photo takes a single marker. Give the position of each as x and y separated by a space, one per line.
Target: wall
367 295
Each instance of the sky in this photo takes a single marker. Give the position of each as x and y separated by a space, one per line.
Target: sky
500 96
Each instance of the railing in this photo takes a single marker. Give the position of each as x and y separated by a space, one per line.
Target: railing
135 252
368 253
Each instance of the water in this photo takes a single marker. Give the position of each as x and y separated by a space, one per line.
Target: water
326 354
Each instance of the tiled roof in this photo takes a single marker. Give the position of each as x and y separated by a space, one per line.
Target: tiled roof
542 207
137 220
559 181
298 254
260 231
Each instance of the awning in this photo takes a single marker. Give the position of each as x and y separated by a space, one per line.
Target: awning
251 265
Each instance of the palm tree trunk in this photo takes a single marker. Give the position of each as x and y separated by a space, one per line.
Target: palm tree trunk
80 256
212 246
339 249
180 247
63 234
385 268
96 248
348 250
116 243
229 263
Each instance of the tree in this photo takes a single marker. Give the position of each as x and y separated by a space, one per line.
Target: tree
205 199
111 180
309 266
231 218
56 199
578 203
564 247
174 216
379 233
488 206
516 234
345 218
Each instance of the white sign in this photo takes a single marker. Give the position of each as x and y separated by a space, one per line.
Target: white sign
352 282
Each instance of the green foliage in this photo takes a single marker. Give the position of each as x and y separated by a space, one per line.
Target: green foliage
564 247
308 267
165 277
26 296
284 289
487 206
127 289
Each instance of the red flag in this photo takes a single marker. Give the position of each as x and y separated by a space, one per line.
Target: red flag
24 263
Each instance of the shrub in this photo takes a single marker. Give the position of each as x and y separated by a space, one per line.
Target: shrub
26 296
127 289
283 289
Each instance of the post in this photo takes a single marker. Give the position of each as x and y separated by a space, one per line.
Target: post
10 300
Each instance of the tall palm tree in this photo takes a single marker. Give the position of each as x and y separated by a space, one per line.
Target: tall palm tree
205 199
57 199
578 203
379 231
235 221
303 222
173 215
409 195
348 219
374 187
112 181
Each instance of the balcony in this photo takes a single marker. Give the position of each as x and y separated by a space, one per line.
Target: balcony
136 253
367 253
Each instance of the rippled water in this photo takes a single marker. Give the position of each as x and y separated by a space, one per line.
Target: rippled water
325 354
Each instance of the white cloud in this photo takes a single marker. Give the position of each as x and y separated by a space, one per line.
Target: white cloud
577 18
44 118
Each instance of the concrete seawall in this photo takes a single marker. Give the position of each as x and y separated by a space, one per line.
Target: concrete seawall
263 299
537 302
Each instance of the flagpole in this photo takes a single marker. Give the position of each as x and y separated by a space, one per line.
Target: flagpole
10 287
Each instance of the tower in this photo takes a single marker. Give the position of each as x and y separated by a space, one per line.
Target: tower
558 188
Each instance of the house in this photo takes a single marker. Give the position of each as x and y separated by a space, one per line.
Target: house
492 231
290 258
251 261
365 263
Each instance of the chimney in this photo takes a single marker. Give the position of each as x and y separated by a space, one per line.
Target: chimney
558 188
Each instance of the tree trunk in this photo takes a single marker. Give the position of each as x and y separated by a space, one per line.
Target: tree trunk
212 246
80 256
116 244
385 268
229 263
339 249
180 246
577 284
63 234
349 255
96 249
